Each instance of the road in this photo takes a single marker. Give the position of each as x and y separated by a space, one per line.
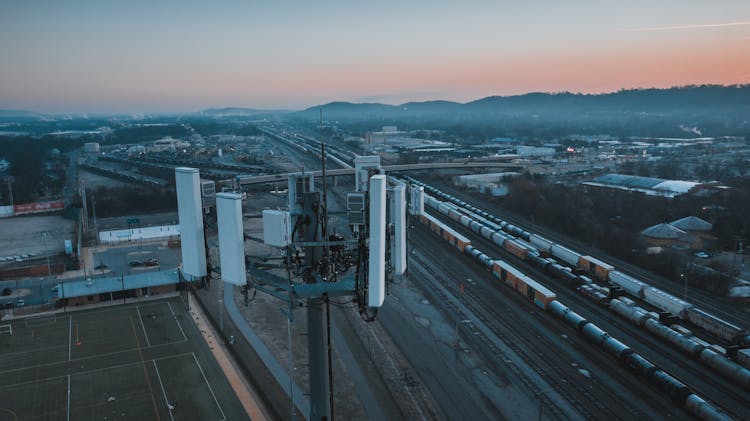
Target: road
33 291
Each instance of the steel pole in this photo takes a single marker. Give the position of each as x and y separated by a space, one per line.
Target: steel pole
46 252
320 404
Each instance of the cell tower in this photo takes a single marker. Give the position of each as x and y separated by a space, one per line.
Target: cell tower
319 265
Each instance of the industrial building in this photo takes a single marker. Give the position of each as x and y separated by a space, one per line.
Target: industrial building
535 151
687 233
643 185
91 147
91 291
157 233
168 144
699 228
495 184
665 235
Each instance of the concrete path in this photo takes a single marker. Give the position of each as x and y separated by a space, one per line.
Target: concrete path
354 368
301 401
244 392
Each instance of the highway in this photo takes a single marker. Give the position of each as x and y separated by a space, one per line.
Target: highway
260 179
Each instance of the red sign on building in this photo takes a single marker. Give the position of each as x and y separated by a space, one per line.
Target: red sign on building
37 207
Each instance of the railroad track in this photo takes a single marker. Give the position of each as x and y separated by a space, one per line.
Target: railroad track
731 397
722 307
589 402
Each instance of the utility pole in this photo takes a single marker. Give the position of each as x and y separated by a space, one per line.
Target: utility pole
737 256
84 206
325 271
93 206
46 252
10 181
44 234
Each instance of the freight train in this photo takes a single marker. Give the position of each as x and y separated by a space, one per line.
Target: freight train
547 255
546 299
712 357
455 239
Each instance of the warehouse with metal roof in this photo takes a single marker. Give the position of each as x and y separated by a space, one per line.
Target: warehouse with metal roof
692 223
646 185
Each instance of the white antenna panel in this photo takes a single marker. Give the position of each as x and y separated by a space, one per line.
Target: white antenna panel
191 221
398 254
376 285
231 238
416 202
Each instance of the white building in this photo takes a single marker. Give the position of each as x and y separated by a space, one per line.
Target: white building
91 147
168 144
527 151
494 184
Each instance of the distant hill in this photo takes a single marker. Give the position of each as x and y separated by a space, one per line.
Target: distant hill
20 115
672 100
715 108
237 112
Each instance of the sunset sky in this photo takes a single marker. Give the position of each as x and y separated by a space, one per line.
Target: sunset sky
151 56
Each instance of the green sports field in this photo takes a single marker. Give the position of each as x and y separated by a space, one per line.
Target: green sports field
143 361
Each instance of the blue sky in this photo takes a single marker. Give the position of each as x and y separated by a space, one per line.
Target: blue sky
149 56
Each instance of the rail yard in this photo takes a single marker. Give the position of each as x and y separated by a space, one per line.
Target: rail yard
496 318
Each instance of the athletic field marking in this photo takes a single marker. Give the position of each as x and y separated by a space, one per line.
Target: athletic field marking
223 417
11 412
137 309
48 318
177 321
145 371
68 397
88 371
49 348
70 336
166 400
85 358
119 366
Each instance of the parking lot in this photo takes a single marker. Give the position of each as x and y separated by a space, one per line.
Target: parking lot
23 238
134 259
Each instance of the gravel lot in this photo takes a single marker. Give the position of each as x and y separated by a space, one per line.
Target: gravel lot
22 235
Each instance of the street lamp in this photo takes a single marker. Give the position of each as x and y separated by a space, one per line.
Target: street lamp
44 235
684 278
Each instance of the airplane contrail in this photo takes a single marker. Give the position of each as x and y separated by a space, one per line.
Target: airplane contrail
696 26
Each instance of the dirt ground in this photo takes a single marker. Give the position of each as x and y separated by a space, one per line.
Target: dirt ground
94 180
